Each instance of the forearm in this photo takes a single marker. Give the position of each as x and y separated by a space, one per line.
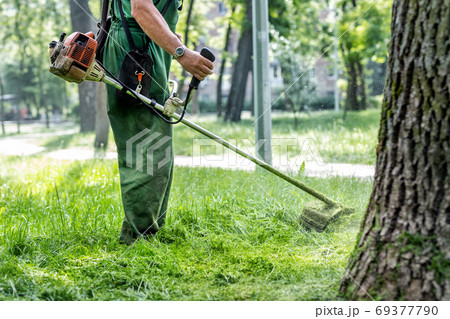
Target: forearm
154 25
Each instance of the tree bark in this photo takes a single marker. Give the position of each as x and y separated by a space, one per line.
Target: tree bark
403 249
41 100
101 119
362 104
223 63
83 21
242 67
351 103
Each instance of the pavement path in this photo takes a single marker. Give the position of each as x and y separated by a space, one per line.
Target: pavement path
28 144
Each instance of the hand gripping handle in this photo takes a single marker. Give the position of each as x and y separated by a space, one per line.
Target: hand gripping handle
205 52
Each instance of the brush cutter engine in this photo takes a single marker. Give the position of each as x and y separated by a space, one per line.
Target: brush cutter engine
74 59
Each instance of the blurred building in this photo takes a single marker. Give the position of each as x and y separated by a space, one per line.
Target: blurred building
324 77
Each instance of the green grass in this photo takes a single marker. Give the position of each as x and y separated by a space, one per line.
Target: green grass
229 235
337 141
75 140
37 127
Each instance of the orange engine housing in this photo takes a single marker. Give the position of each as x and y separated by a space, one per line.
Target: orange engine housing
82 48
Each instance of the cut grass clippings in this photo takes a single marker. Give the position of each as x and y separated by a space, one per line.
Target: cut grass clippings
229 235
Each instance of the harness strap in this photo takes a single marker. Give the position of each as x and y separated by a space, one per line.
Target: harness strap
105 6
179 9
166 6
127 29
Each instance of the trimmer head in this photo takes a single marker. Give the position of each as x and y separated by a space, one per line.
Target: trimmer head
317 215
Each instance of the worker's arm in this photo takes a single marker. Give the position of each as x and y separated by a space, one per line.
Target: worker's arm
154 25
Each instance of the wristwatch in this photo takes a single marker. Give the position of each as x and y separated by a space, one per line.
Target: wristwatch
179 52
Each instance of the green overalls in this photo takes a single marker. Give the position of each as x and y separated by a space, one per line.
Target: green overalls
146 167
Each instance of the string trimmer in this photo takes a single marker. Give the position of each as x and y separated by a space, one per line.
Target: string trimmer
74 61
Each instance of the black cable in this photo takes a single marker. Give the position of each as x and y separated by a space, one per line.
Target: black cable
152 104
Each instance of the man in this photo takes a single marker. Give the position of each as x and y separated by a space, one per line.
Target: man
145 196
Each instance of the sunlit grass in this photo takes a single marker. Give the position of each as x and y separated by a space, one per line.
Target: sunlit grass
338 141
229 235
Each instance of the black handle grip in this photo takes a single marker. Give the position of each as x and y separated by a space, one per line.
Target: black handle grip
61 37
205 52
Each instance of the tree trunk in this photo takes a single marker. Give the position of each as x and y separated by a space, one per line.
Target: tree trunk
101 118
403 249
83 21
188 22
351 102
22 56
101 115
184 74
362 105
242 67
223 64
42 100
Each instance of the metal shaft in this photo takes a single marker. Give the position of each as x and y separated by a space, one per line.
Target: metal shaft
234 148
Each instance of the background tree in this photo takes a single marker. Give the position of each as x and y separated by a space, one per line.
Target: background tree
300 86
20 35
2 105
101 118
403 250
82 20
224 58
187 27
101 112
92 95
194 25
278 17
25 55
242 66
296 47
364 33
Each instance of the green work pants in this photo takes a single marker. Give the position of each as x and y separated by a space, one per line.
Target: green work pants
144 141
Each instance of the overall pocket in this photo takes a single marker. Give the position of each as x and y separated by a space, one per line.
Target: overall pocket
135 62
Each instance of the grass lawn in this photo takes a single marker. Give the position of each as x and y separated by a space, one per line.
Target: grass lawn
229 235
338 141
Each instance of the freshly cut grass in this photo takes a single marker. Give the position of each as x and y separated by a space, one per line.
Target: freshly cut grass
229 235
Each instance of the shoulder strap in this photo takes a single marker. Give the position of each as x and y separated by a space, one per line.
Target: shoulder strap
105 7
166 6
126 28
125 24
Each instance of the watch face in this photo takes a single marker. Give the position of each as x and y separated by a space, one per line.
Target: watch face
179 51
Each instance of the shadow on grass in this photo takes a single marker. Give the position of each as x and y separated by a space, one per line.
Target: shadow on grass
59 142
